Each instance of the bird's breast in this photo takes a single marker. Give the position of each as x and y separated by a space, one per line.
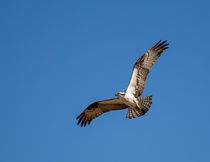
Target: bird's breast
128 100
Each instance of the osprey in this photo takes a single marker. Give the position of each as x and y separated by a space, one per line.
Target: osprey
130 97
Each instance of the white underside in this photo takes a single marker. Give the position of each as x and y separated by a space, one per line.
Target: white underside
130 100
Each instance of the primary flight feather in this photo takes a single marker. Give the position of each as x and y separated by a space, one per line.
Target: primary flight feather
129 98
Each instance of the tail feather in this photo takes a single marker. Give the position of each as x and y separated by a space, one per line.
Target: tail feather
128 114
144 105
137 113
134 114
131 113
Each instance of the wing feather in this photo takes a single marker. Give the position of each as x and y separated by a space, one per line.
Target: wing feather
143 66
98 108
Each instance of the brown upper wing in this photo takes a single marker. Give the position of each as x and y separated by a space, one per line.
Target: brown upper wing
143 66
98 108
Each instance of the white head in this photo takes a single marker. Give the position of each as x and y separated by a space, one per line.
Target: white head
120 94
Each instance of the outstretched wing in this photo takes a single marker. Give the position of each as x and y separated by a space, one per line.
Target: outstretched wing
143 66
98 108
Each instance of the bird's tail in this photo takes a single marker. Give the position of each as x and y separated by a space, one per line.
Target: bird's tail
144 105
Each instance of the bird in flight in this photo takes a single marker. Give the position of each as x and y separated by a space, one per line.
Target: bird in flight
130 97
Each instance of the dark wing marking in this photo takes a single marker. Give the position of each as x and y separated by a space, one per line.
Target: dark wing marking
143 66
98 108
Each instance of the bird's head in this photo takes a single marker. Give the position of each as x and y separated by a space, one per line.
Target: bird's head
120 94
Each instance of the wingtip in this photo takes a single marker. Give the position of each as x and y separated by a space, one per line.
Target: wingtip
82 121
156 44
165 48
79 116
161 46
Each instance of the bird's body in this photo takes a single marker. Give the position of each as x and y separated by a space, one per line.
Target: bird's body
130 97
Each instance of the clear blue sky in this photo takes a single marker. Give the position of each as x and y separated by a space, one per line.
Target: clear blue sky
57 57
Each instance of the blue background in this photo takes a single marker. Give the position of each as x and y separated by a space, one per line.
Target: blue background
57 57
